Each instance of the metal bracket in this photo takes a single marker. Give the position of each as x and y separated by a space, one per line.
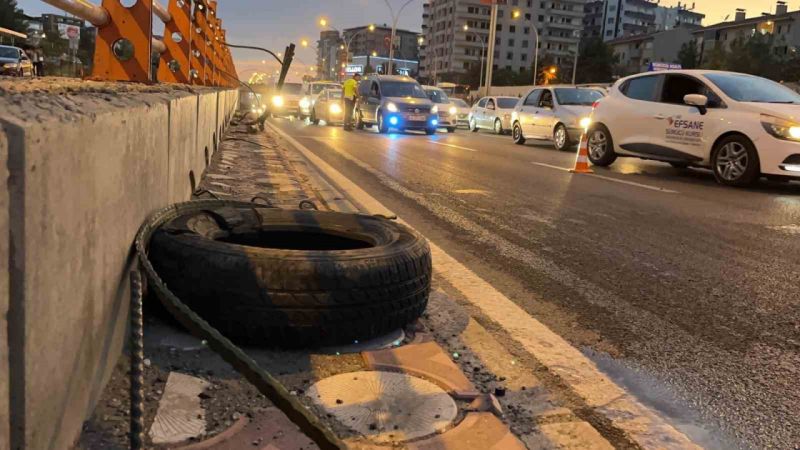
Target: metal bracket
174 64
123 46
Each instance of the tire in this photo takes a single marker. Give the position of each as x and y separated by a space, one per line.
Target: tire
735 162
314 118
473 126
516 133
336 277
679 165
383 128
430 131
603 155
359 120
451 129
498 127
561 139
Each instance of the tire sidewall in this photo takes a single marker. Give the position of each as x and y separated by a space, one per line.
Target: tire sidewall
753 170
516 133
382 128
498 126
609 156
566 138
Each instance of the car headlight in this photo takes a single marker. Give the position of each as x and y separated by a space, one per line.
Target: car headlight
391 107
781 128
335 108
10 65
277 101
305 103
585 122
453 110
435 109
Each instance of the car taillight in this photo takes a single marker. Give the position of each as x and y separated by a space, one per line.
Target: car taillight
594 105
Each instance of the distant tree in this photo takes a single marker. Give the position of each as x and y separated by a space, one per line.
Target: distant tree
11 16
369 69
688 56
717 58
596 61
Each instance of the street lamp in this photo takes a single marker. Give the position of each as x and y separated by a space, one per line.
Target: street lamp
516 15
483 51
304 43
394 31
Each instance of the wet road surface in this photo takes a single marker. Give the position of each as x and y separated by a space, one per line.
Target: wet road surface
685 291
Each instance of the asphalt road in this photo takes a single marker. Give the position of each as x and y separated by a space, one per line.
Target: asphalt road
684 291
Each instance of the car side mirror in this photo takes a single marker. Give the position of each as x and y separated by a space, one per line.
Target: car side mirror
697 100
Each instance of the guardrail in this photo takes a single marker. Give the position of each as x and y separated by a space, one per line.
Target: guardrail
193 50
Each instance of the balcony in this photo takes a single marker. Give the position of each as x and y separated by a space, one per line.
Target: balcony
650 18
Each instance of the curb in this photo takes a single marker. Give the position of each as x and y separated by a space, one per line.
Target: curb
608 402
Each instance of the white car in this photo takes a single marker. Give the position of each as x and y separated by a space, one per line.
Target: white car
287 102
557 113
741 126
492 113
310 93
462 111
448 114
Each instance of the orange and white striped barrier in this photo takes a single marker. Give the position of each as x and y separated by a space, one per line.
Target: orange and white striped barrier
582 160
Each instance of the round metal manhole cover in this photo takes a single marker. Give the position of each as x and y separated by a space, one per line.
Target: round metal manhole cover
385 406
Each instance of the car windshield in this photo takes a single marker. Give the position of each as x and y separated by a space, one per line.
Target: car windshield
292 89
335 94
437 96
748 88
575 96
460 103
9 53
507 102
317 88
402 89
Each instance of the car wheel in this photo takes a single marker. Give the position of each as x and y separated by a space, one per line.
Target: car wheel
516 133
359 120
735 161
473 126
382 127
498 126
679 165
601 147
561 139
430 131
451 129
314 118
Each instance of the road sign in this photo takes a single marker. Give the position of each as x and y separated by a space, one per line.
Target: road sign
659 66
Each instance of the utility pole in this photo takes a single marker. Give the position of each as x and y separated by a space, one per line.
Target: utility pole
395 17
492 38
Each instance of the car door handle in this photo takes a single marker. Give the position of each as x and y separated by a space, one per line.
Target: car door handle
660 117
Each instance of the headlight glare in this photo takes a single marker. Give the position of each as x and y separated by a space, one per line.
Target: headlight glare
335 108
391 107
435 110
585 122
305 102
780 128
453 110
277 101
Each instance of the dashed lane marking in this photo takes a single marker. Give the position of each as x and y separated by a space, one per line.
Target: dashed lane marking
453 146
614 180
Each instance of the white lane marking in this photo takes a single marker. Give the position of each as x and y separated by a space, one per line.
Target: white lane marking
641 424
454 146
472 191
551 166
614 180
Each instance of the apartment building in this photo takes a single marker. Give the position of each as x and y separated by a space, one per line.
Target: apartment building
635 53
614 19
329 55
783 25
448 48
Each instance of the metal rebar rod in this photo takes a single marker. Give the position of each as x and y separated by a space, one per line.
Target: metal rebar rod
137 363
161 12
97 15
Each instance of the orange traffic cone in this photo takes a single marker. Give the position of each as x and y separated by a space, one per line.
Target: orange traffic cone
582 161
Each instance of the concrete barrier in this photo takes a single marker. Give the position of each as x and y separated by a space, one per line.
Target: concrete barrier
85 164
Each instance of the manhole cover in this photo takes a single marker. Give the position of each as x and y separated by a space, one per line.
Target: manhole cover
385 406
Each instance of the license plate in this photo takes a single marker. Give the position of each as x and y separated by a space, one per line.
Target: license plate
416 117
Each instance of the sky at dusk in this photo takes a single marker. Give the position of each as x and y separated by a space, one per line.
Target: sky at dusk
275 23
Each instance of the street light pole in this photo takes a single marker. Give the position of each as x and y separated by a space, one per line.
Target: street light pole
490 57
395 17
577 52
536 56
483 52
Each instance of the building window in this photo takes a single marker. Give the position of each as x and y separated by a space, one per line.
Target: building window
524 44
526 30
524 57
509 56
510 42
512 29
